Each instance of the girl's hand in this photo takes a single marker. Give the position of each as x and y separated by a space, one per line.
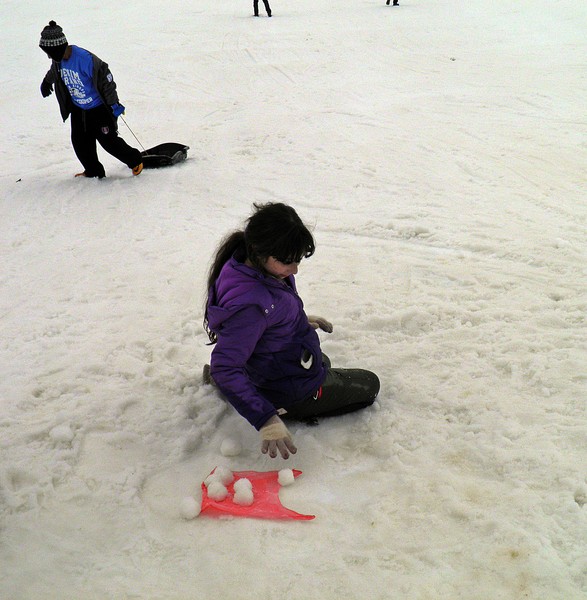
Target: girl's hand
320 323
275 436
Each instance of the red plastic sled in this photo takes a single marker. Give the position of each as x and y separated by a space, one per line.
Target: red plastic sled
266 504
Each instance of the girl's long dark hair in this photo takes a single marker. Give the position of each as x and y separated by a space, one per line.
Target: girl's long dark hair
274 229
228 246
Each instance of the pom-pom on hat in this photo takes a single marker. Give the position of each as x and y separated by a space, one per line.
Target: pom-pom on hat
52 36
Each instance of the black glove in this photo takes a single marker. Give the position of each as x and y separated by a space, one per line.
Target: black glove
46 89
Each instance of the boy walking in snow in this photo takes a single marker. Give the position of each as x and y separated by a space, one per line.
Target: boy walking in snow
256 7
85 89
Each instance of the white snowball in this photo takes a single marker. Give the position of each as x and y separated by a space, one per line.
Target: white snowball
189 508
244 496
230 447
224 475
61 433
285 477
220 474
217 491
243 484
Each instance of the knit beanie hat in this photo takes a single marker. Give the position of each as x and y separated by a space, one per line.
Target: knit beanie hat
52 36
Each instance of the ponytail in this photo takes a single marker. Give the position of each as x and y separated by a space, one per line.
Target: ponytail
228 246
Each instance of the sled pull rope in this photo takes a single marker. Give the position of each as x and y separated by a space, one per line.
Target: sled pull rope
136 138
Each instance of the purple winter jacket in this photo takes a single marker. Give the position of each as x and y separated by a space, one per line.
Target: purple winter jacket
267 355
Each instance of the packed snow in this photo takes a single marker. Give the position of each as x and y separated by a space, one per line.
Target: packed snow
438 151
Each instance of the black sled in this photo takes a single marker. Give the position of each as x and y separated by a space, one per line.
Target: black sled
164 155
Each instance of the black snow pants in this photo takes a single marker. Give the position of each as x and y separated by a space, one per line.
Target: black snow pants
97 124
343 391
256 7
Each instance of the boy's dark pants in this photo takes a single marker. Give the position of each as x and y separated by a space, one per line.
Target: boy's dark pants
256 7
97 124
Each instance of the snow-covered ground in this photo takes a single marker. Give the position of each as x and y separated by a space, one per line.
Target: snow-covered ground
438 150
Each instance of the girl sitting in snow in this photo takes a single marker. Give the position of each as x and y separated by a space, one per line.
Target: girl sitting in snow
267 359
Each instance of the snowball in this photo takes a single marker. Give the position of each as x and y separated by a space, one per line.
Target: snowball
220 474
285 477
217 491
61 433
230 447
189 508
244 496
243 484
224 475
